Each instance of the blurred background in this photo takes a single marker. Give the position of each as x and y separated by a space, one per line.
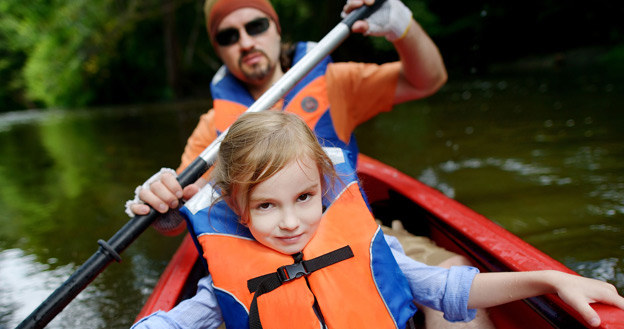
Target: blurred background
85 53
98 95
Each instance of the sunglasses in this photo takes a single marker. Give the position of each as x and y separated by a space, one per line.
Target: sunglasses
230 36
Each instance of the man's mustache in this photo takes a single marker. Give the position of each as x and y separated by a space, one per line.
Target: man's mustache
249 52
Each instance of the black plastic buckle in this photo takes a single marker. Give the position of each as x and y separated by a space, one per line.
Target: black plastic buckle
290 272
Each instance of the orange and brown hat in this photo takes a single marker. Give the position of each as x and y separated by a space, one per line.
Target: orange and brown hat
217 10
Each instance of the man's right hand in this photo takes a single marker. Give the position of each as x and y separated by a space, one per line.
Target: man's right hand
391 20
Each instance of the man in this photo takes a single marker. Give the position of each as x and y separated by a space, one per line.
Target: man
334 99
356 92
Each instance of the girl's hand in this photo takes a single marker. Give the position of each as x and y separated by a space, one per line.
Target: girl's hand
496 288
579 292
162 192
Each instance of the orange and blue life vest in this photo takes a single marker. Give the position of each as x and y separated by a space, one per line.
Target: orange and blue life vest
345 277
308 99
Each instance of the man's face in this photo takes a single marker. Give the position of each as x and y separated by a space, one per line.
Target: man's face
252 58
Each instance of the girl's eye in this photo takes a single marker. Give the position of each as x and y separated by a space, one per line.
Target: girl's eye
304 197
264 206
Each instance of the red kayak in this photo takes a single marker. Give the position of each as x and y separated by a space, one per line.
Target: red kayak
424 211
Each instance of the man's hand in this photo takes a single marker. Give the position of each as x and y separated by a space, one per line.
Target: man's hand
391 20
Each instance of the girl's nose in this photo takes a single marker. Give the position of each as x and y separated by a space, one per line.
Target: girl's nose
289 221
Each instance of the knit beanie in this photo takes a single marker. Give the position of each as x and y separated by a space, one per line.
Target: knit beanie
217 10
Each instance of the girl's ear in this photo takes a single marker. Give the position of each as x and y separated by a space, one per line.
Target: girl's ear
244 222
234 206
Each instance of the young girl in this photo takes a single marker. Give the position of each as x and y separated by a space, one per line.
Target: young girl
303 250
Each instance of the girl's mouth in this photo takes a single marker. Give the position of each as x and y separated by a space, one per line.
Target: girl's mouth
290 239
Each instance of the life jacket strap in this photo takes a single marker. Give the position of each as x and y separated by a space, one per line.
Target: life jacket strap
269 282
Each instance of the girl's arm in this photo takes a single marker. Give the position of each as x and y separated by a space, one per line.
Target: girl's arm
491 289
200 311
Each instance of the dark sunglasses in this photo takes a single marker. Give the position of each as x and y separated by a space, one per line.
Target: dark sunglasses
230 35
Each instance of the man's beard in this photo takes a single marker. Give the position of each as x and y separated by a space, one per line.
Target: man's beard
257 72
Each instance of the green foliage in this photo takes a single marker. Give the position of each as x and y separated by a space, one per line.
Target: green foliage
67 45
91 52
614 58
15 36
75 49
53 72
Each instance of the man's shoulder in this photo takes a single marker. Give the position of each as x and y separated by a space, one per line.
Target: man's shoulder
356 71
341 67
341 70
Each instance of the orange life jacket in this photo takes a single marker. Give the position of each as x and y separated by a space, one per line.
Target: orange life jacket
308 99
367 290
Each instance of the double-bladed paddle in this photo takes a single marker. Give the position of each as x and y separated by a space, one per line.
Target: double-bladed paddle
110 250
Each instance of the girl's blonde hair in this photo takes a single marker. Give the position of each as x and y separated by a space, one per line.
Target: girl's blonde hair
256 147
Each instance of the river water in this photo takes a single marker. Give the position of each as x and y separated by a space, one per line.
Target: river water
542 154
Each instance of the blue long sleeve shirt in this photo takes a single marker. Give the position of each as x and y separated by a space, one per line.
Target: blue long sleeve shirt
445 290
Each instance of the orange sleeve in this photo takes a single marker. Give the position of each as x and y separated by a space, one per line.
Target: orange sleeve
204 134
359 91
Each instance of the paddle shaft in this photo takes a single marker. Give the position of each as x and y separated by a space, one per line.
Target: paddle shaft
110 250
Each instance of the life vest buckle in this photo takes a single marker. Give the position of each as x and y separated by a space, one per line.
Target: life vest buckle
290 272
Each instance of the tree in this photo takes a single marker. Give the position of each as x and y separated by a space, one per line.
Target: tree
92 52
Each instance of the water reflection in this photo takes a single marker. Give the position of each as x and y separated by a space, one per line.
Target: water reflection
65 176
26 282
540 153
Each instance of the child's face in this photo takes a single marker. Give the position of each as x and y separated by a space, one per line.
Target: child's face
286 209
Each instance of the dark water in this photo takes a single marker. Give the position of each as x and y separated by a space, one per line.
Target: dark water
541 154
65 176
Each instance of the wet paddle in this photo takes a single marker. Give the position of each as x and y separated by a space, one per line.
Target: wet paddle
110 250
